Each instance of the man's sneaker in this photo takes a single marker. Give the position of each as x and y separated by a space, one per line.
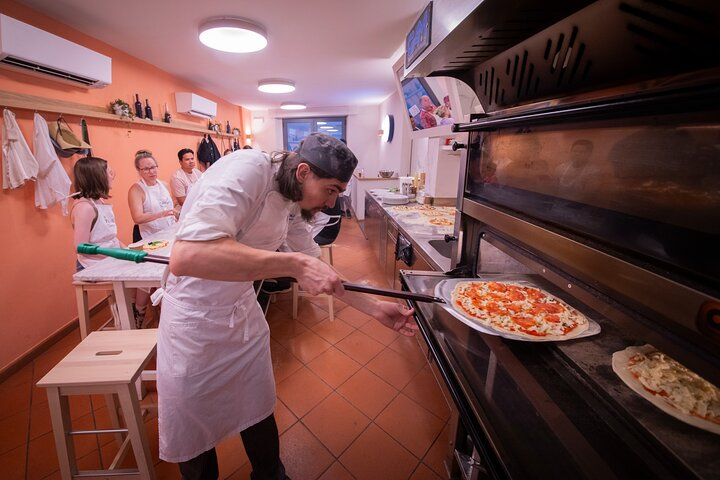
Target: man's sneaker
273 285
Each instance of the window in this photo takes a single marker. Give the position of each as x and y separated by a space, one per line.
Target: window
295 129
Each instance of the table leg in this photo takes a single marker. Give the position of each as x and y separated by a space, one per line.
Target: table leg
81 298
62 425
136 429
124 306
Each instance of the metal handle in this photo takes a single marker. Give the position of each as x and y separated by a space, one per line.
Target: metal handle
457 146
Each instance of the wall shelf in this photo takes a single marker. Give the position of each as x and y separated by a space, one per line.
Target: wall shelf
49 105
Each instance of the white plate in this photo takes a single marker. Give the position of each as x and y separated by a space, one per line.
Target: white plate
394 199
445 288
619 365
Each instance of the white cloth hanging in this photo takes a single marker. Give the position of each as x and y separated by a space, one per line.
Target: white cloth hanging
18 162
53 184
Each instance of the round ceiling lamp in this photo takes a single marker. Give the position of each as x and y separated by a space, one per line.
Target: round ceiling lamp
276 85
293 106
235 35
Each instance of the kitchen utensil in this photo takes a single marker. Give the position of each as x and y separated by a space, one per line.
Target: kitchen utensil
386 173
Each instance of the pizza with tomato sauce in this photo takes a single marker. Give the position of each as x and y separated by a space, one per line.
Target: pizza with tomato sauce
518 310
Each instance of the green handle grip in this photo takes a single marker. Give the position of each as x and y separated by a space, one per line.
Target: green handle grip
119 253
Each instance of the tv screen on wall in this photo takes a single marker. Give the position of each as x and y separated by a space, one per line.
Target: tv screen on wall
427 107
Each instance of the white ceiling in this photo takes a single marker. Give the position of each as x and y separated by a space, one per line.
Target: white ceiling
339 52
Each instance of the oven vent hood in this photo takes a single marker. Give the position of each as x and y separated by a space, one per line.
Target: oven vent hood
517 53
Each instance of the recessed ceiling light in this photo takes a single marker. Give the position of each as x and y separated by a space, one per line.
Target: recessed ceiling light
276 85
235 35
321 123
325 127
332 130
293 106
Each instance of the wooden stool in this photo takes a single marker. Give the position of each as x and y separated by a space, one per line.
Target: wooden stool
81 297
326 256
106 363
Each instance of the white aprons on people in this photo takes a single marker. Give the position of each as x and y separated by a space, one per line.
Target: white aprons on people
215 375
103 231
52 184
18 163
157 199
181 182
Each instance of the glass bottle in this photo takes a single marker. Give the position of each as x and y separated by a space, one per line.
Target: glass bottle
138 107
227 127
148 110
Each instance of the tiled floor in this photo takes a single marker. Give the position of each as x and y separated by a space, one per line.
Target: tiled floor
355 399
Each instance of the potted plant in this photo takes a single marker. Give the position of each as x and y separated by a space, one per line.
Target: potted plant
121 108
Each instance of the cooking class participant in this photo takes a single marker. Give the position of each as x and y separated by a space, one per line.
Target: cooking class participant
215 376
152 210
185 176
92 219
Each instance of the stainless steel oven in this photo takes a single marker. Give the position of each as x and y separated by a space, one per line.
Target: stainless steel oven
594 174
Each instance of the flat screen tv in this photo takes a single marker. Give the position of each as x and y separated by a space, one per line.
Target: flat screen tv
427 107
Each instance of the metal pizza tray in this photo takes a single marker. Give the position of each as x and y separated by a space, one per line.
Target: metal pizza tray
445 288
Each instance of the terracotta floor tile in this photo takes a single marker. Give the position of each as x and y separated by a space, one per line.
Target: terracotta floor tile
302 391
12 463
333 331
24 375
336 472
334 367
303 455
242 474
42 457
285 330
45 362
390 461
359 347
307 346
435 457
308 313
336 423
410 424
168 471
231 455
379 332
394 368
422 472
283 417
284 363
367 392
40 422
354 317
14 430
322 302
408 347
424 389
14 398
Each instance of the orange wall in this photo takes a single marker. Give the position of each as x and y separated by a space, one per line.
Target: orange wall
38 260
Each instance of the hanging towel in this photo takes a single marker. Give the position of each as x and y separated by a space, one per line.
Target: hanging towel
52 184
18 162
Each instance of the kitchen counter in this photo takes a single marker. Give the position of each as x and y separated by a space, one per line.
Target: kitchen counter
422 236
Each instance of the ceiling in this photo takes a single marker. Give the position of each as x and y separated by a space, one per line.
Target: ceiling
339 53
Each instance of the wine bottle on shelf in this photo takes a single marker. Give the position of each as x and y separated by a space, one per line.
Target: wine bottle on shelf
167 118
148 110
227 127
138 107
236 145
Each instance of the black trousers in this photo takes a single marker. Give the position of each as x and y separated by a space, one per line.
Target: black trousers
262 445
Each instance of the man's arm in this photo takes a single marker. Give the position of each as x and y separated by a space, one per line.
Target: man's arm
391 314
226 259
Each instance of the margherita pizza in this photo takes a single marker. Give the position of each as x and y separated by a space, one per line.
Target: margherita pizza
518 310
155 245
670 386
442 221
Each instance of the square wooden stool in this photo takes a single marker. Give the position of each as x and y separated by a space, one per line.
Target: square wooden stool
106 363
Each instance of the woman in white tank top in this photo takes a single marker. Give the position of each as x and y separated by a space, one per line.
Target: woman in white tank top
151 205
93 220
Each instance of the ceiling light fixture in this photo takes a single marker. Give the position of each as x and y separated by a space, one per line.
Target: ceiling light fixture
293 106
231 34
276 85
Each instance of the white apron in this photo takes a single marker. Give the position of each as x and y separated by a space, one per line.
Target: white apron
215 375
53 184
103 233
157 199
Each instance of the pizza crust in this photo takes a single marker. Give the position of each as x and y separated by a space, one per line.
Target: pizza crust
620 364
581 321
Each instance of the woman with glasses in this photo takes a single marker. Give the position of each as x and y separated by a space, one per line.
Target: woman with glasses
151 205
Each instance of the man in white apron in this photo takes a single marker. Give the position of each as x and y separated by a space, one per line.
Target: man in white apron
215 375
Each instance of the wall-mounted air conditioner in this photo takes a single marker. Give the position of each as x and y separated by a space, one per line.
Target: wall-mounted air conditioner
195 105
31 50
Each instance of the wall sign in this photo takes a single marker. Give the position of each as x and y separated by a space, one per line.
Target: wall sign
418 39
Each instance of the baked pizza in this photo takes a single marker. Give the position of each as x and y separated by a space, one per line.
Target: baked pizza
670 386
155 245
442 221
518 310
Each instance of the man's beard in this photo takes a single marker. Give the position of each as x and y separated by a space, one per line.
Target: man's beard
307 215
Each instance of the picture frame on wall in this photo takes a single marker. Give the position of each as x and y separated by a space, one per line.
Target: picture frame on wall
419 37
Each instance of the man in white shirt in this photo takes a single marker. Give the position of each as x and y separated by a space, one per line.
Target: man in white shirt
185 176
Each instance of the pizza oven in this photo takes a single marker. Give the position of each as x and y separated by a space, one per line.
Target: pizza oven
594 175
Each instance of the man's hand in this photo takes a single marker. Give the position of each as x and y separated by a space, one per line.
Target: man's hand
316 277
395 316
